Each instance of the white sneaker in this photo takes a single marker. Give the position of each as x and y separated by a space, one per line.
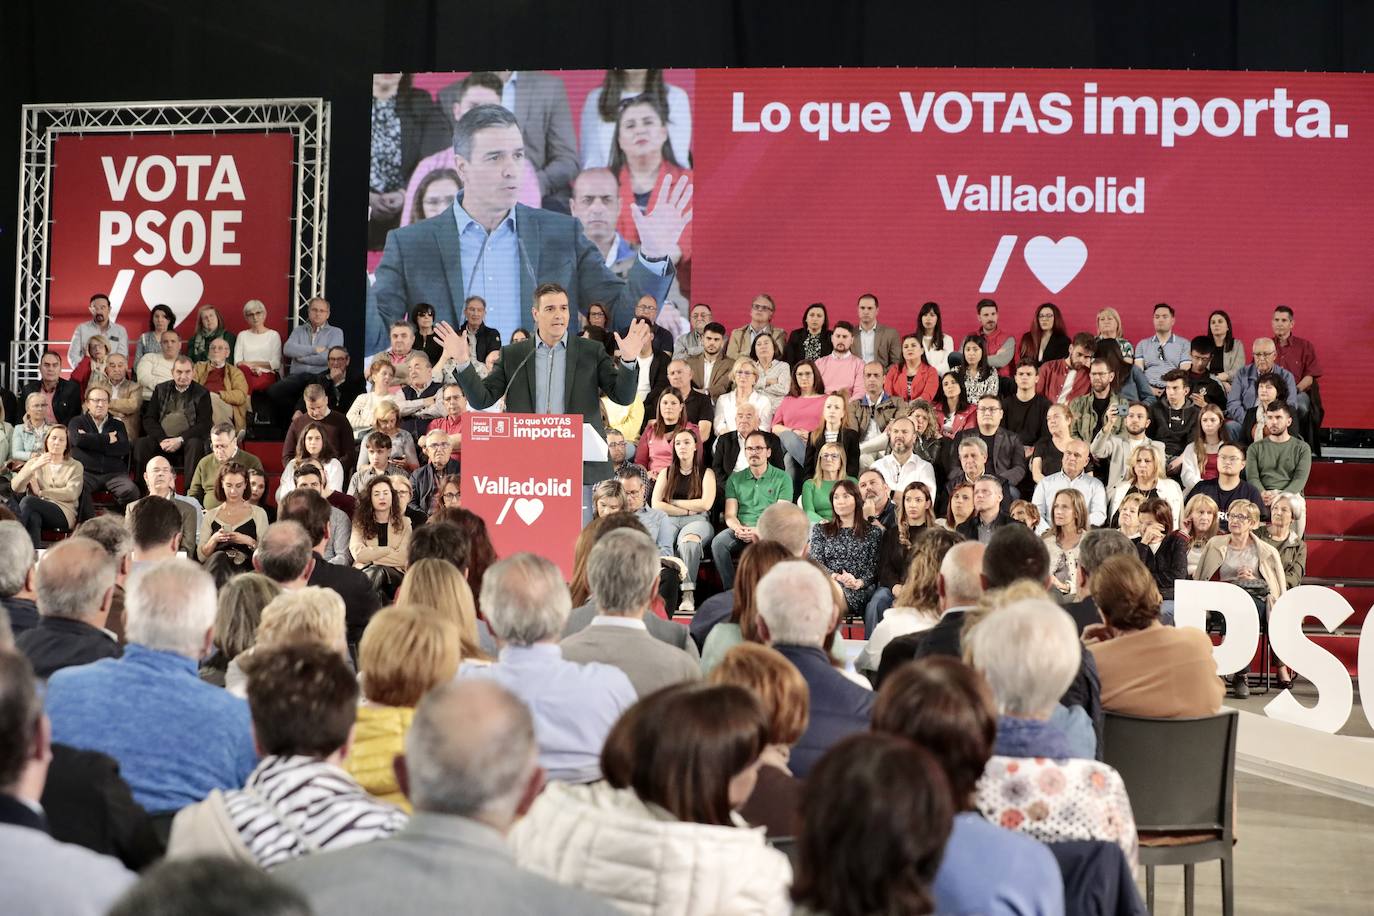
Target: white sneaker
688 604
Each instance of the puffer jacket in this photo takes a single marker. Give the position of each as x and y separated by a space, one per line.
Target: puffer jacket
645 861
378 738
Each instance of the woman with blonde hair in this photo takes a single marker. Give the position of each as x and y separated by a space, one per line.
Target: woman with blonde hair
1068 521
1285 520
1128 516
830 470
439 585
406 651
746 375
836 425
1109 327
608 498
386 419
91 369
310 614
236 622
1201 522
1145 474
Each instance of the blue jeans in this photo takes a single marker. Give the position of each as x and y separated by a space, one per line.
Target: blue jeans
723 548
875 609
689 550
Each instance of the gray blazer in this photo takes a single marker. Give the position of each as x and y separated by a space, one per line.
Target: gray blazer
674 634
421 263
649 663
438 864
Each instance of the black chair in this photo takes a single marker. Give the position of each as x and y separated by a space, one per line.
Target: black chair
1180 775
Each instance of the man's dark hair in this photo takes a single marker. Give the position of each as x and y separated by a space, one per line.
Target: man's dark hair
714 327
483 78
1084 341
284 551
153 521
985 304
845 325
309 469
19 712
440 541
308 509
377 440
868 296
1175 375
1014 552
303 698
1203 344
1280 406
99 296
543 289
483 117
210 886
1027 363
1163 305
1283 309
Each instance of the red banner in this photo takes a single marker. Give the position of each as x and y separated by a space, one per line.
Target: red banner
523 474
175 219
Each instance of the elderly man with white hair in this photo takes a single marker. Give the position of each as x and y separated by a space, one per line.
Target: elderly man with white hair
526 603
17 596
797 610
75 587
174 736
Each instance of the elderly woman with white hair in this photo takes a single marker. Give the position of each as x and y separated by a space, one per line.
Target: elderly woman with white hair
311 614
1029 653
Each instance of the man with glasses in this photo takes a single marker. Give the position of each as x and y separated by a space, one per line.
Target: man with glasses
224 448
646 307
62 396
1088 414
424 483
747 494
689 344
455 404
760 322
101 443
1245 385
1005 456
1163 352
1073 476
100 324
1228 486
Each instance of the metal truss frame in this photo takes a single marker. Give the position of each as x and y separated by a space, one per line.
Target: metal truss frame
308 120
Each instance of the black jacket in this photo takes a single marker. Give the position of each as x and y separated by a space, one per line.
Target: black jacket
1168 564
849 441
93 448
23 613
1006 455
969 529
1173 428
199 416
61 642
360 599
488 339
792 350
66 399
726 453
88 803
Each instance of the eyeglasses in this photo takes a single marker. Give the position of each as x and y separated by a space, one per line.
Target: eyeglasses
756 448
830 457
989 410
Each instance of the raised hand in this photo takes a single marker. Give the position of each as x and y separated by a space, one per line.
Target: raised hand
454 343
661 227
632 344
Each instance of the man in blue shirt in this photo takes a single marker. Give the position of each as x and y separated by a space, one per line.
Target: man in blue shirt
1163 352
308 349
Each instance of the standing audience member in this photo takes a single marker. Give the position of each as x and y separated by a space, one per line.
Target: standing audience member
298 800
75 586
470 771
174 736
527 604
796 614
661 833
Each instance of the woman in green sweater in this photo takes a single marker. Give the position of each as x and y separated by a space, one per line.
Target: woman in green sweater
830 470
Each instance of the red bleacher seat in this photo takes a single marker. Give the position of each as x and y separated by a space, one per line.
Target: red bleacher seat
1329 515
1329 558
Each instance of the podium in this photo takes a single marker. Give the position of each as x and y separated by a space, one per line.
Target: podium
522 473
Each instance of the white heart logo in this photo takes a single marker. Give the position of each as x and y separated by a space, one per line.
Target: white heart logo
1055 264
180 292
529 509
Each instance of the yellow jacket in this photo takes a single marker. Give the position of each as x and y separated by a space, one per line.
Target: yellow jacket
378 738
235 392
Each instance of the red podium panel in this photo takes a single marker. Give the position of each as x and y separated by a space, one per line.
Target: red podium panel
522 473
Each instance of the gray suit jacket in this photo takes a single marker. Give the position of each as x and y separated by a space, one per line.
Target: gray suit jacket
674 634
421 263
438 864
649 663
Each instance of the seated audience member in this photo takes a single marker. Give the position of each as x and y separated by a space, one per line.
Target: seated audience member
310 477
159 526
1006 458
1296 355
1173 418
425 480
988 514
747 494
977 376
174 736
1029 653
381 376
377 449
1200 455
1047 457
1072 475
1064 380
17 595
49 487
815 492
75 586
224 448
960 586
470 771
608 498
799 413
176 421
876 799
1203 389
1146 475
1048 337
634 491
1164 352
775 376
937 344
26 439
685 493
696 405
40 874
438 584
875 342
1244 394
944 706
1200 524
1095 546
257 349
1128 516
313 447
1229 486
406 651
760 317
711 368
91 368
742 624
380 536
126 396
421 389
284 555
338 432
1163 551
1023 411
912 513
775 802
62 396
111 532
728 454
689 344
622 572
1089 413
1116 440
228 388
298 613
916 604
310 510
230 532
1127 378
1242 559
745 375
527 604
796 614
1069 517
678 765
960 508
154 366
209 328
872 411
1228 353
236 622
847 547
1145 667
209 884
101 444
1282 535
842 371
1279 463
811 341
912 377
1026 513
298 800
655 449
901 466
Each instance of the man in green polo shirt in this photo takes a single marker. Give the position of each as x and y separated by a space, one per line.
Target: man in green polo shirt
747 494
224 448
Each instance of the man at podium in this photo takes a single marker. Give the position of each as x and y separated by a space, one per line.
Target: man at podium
554 372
